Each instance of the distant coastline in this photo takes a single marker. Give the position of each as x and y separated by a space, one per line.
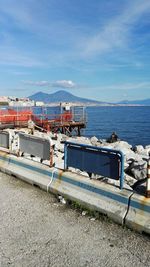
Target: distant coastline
44 99
96 105
84 104
64 96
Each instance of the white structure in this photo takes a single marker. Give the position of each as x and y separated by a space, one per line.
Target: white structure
4 100
21 103
39 103
65 106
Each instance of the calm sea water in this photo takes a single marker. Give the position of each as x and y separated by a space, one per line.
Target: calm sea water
132 124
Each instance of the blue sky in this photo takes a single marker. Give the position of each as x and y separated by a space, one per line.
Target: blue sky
98 49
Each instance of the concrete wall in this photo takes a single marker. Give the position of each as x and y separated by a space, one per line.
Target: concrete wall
122 206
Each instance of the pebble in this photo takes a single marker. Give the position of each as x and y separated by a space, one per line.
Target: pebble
62 200
92 219
84 213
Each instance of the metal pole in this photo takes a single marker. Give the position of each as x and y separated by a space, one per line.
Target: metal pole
17 115
60 112
148 179
65 157
122 171
51 156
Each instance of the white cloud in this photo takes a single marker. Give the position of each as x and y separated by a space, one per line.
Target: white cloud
39 83
61 84
64 84
21 13
116 34
62 41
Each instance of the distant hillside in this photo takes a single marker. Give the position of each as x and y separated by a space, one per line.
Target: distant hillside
61 96
145 102
64 96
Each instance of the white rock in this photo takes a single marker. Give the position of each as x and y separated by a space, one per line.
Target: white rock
64 137
80 140
84 212
122 144
147 151
62 200
94 140
81 172
147 147
139 169
129 180
59 147
92 219
59 137
143 152
131 156
139 149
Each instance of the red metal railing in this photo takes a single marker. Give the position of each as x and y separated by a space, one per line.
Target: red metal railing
10 116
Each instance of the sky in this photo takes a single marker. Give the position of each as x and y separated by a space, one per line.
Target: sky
97 49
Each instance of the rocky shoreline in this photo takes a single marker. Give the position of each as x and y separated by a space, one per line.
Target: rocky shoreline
135 158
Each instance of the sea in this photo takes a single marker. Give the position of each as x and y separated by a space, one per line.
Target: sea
131 123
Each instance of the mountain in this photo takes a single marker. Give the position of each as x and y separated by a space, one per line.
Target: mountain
64 96
145 102
61 96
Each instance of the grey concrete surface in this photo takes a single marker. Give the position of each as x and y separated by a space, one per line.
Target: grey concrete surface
36 230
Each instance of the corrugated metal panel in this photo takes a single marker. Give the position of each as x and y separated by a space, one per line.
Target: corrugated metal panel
35 146
98 160
92 161
4 139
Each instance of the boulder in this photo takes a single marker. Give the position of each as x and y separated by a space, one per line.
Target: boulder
64 138
147 150
59 147
129 180
126 166
80 140
139 149
94 140
138 169
122 145
144 152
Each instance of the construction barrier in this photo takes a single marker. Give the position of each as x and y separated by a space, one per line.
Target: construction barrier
33 145
4 139
14 117
122 206
98 160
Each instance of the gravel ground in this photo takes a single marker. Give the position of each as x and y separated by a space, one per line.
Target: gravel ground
36 230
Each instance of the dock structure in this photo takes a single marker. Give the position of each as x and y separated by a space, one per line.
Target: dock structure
67 128
68 120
